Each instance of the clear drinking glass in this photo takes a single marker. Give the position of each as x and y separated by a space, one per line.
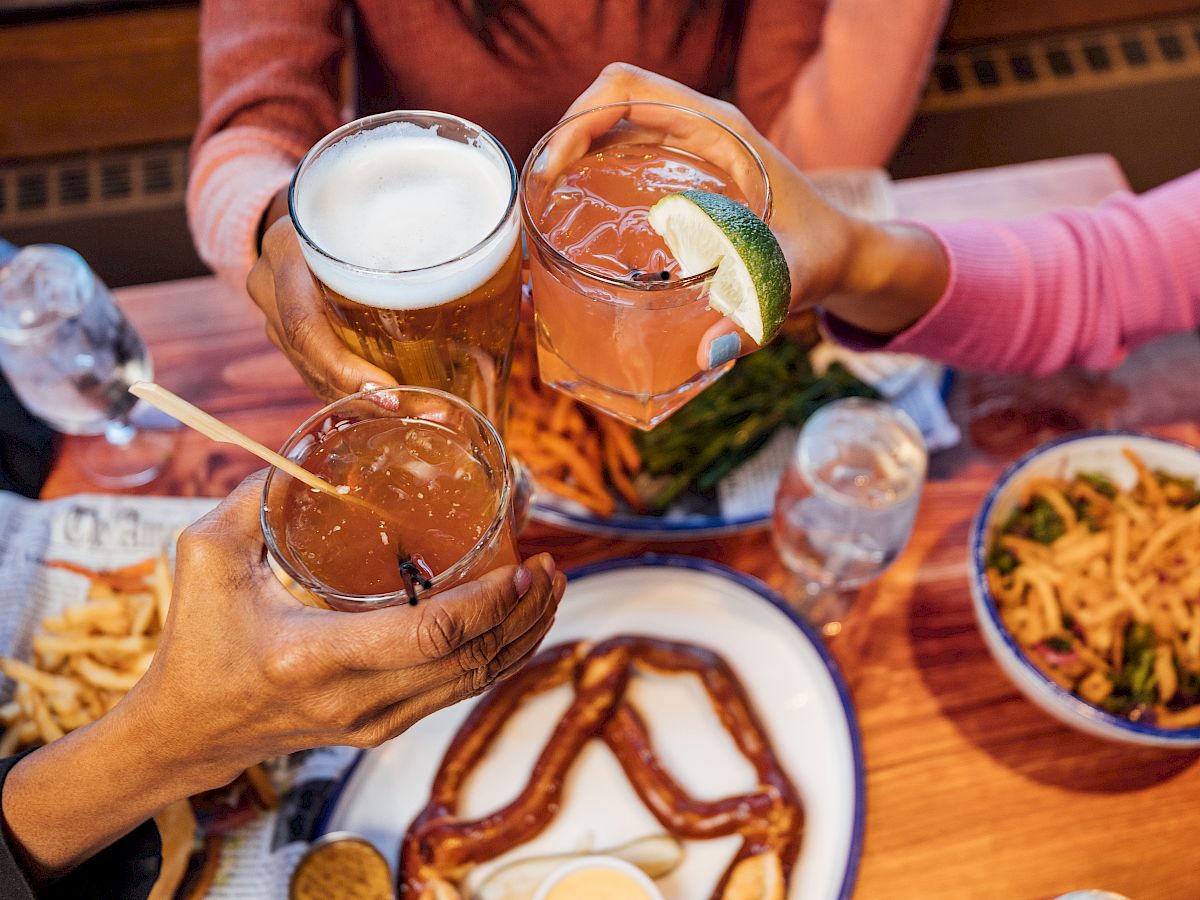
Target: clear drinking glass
618 324
409 221
430 462
70 355
846 504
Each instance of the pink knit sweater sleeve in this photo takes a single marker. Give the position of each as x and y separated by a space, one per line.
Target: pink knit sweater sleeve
1079 286
268 92
854 96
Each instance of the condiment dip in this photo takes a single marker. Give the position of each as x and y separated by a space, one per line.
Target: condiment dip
598 878
342 866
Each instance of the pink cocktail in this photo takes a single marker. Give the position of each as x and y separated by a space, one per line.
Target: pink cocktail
618 324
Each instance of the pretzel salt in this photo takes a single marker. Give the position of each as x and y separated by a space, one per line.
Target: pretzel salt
439 848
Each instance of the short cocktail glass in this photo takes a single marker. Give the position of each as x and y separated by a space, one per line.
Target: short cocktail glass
618 324
432 500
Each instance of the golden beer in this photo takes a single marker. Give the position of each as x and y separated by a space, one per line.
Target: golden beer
409 222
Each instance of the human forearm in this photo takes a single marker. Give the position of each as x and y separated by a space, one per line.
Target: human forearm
65 802
841 112
892 276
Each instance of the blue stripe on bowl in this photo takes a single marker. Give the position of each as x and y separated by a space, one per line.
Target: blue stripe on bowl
978 571
758 587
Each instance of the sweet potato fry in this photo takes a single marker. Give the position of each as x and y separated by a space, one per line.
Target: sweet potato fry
601 506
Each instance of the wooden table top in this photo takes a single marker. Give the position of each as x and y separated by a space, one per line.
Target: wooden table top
972 792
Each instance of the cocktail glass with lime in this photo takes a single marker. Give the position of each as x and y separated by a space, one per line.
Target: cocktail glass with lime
646 223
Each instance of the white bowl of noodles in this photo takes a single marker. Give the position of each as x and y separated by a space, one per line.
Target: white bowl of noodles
1053 628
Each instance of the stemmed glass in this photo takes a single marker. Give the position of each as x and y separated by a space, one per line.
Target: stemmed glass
70 355
845 507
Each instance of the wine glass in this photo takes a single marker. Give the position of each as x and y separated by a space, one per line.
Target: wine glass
846 504
70 355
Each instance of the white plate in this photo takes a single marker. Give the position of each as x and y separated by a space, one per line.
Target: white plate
791 679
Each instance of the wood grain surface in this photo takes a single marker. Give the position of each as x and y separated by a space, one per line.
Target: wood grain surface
97 82
972 792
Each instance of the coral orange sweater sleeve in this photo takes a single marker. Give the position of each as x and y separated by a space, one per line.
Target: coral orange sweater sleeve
852 99
269 91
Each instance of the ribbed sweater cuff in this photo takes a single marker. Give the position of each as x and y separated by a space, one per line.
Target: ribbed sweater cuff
234 176
985 273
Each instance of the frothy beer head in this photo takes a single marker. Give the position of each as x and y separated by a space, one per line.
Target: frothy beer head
386 212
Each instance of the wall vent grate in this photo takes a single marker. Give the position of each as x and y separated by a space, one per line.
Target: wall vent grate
1119 56
100 184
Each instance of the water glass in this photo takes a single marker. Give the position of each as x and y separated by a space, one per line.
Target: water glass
70 355
846 504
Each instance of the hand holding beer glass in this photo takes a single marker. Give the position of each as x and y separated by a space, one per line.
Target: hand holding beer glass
408 222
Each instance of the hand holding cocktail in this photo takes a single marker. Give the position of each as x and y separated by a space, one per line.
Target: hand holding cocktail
244 672
878 277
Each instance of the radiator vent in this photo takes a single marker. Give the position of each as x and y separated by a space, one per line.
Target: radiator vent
59 190
1156 50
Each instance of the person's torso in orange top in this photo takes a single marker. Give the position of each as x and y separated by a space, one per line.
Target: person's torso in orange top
421 54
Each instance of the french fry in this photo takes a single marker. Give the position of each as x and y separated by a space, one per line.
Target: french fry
36 678
99 646
144 613
10 741
584 499
47 727
558 418
619 435
102 676
10 712
1081 552
586 475
107 616
1166 533
1146 480
620 480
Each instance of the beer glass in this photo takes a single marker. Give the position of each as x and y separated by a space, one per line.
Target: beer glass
430 500
409 222
618 324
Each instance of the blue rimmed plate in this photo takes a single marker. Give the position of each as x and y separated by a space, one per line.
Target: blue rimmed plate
790 677
1092 451
698 518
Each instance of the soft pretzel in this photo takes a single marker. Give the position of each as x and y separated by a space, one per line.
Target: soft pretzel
439 848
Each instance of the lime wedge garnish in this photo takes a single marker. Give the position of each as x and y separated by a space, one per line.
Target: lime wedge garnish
752 286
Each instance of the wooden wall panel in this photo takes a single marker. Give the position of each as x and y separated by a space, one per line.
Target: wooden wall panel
96 82
973 21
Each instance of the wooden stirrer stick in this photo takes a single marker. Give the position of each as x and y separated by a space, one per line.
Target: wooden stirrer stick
210 426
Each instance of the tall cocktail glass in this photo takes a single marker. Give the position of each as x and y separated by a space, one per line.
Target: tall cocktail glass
618 324
434 500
